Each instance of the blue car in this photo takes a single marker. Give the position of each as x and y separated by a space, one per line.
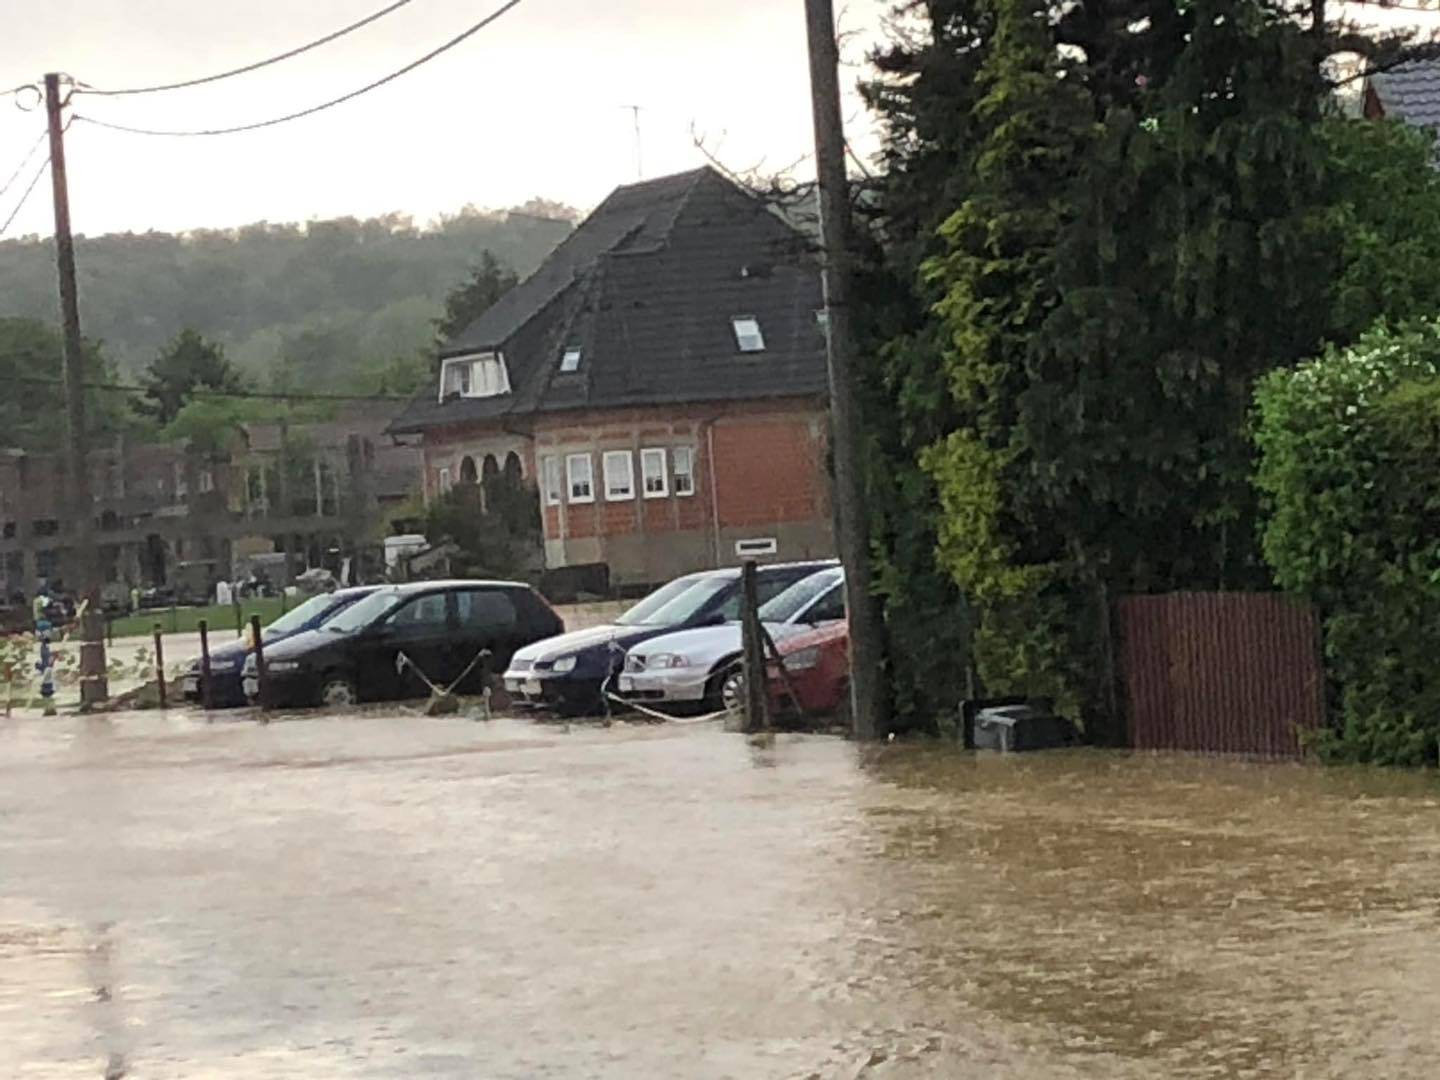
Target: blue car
228 661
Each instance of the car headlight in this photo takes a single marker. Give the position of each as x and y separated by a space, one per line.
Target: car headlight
803 659
668 660
564 665
280 667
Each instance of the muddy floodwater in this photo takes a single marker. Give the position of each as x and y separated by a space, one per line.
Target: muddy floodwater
391 896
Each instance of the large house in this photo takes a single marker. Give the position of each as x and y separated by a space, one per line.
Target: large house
661 379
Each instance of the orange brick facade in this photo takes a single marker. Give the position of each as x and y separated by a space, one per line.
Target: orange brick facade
757 471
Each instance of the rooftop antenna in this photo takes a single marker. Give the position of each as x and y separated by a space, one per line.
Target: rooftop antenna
639 155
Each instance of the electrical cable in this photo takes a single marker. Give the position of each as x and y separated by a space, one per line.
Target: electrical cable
452 43
23 162
86 88
1395 5
201 391
25 197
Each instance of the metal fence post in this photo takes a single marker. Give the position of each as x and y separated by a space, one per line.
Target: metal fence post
757 716
160 665
206 698
259 663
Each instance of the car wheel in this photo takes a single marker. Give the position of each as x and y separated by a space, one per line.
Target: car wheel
727 690
338 692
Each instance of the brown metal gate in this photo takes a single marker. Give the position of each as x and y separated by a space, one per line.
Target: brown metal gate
1223 673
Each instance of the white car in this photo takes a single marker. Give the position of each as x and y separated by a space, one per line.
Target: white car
703 666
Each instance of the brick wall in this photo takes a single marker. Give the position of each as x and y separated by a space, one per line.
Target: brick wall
767 478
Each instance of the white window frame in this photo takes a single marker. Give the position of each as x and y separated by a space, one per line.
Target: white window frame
574 476
684 454
749 338
443 483
551 473
654 465
571 359
619 468
465 369
485 375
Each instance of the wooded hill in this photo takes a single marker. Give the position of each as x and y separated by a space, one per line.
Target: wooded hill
298 305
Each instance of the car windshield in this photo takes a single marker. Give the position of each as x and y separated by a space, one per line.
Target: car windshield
674 603
798 597
296 618
364 612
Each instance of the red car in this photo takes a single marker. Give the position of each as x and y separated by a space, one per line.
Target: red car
817 666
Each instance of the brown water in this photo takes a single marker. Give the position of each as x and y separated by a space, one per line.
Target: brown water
394 897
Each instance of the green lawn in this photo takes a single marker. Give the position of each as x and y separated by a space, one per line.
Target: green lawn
186 620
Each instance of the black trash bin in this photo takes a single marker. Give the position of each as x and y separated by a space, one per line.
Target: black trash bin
1016 725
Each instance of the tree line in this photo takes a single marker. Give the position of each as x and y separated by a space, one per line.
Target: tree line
344 306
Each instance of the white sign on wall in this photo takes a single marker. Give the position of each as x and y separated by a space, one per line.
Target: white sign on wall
753 549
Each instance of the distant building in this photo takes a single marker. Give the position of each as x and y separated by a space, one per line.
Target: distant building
660 379
1408 92
176 516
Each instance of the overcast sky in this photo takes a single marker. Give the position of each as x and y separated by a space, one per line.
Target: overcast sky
532 106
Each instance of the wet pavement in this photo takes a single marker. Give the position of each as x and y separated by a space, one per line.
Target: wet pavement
392 896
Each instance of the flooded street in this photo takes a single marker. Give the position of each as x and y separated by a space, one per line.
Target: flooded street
392 896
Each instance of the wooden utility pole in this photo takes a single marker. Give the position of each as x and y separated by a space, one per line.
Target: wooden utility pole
757 702
93 688
870 699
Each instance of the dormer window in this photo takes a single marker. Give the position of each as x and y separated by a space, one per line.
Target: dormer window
570 362
747 333
474 377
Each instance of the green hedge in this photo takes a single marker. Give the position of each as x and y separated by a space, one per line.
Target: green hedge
1350 469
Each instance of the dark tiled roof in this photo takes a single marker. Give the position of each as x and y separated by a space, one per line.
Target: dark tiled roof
647 287
632 217
1411 92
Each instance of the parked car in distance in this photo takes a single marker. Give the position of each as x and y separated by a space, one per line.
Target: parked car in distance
568 673
703 665
817 672
227 661
441 627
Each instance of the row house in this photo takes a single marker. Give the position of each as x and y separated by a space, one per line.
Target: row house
660 381
176 514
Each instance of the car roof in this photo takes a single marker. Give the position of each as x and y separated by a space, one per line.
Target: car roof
419 588
814 565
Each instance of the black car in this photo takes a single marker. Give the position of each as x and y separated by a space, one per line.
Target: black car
568 673
442 629
228 661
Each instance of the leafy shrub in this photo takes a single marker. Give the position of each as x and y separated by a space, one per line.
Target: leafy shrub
1350 470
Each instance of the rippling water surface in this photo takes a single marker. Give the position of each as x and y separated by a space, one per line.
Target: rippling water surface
383 896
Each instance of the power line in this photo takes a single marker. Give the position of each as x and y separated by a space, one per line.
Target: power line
25 197
86 88
482 24
238 395
23 162
1395 5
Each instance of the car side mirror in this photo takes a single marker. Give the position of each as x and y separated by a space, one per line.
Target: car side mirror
716 618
